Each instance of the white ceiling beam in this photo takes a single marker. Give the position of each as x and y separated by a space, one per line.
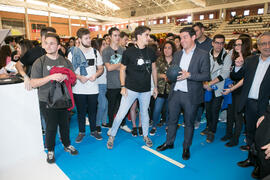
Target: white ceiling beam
157 3
201 3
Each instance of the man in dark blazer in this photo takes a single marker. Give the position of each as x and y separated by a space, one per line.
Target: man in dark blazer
187 93
255 93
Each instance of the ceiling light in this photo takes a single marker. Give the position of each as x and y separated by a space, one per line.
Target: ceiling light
109 4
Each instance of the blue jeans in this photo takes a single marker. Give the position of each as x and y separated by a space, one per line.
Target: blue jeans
157 110
102 108
126 102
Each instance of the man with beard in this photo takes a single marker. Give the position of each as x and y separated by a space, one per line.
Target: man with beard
88 66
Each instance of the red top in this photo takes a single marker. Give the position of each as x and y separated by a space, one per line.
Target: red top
69 81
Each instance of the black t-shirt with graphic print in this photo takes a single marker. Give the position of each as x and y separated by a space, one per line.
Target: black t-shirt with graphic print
138 64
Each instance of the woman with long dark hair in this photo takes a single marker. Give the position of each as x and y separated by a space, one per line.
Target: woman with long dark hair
102 109
162 63
241 50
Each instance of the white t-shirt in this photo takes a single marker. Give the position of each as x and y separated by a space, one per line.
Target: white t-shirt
89 87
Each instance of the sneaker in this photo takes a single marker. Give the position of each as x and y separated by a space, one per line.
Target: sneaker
110 142
125 128
197 125
161 123
153 131
87 121
134 132
140 131
183 124
105 125
96 135
71 149
109 131
98 129
50 157
147 141
80 137
204 132
210 137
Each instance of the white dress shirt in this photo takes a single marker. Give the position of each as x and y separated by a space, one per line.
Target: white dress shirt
259 75
184 65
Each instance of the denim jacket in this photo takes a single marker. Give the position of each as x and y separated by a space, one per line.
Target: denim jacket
79 60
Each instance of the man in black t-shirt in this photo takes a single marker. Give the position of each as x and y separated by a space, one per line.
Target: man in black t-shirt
137 67
30 57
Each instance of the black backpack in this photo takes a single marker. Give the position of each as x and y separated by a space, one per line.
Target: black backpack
59 97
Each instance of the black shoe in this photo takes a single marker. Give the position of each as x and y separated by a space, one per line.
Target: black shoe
256 172
231 143
153 131
105 125
210 137
244 148
134 132
245 163
98 129
225 138
164 146
140 131
205 131
50 157
186 154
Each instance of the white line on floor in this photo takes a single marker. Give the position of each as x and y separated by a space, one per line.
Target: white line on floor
164 157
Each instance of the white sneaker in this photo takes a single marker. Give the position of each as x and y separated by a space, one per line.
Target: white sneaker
125 128
86 121
109 131
197 125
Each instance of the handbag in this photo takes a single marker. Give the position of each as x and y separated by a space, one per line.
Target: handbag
59 97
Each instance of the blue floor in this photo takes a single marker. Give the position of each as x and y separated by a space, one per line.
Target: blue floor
128 161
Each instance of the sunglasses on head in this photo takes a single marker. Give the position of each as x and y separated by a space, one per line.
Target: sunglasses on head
115 54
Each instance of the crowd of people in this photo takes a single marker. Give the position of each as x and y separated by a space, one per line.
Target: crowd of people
121 73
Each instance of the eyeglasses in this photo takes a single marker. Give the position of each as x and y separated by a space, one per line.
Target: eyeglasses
115 54
237 45
219 43
264 44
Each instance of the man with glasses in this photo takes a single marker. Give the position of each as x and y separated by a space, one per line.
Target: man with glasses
255 94
219 71
40 78
112 56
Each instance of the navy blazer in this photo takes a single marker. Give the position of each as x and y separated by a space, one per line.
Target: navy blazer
250 68
199 69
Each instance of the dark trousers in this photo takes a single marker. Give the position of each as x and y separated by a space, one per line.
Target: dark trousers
212 112
53 118
251 114
178 101
86 103
234 119
114 99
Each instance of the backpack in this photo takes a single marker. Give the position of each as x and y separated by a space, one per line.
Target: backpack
59 97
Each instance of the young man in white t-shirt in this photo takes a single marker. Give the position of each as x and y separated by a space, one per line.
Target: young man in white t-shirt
88 66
